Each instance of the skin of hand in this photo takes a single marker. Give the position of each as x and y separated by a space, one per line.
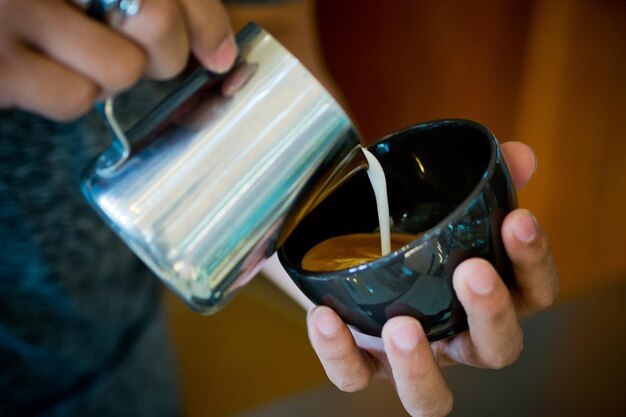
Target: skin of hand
494 339
403 355
55 61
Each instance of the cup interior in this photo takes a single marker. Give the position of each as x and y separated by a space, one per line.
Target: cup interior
431 170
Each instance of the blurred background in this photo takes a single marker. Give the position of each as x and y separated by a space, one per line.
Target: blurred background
550 73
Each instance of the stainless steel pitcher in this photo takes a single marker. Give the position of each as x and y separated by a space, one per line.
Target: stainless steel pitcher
212 179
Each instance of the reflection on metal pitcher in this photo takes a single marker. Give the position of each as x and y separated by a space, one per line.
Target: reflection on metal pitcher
218 168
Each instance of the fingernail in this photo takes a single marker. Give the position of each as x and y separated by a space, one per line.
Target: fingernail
480 280
224 56
326 321
405 335
525 227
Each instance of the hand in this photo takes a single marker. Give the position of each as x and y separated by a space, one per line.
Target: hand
56 61
494 338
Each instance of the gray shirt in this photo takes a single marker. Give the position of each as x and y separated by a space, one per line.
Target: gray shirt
80 325
81 331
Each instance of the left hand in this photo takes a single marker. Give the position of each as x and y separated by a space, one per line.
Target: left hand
56 61
494 339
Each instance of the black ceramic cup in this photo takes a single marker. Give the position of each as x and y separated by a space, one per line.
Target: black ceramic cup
448 184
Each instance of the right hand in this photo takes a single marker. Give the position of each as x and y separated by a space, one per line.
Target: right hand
494 338
56 61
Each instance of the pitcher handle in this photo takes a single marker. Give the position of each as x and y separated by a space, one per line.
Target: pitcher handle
119 151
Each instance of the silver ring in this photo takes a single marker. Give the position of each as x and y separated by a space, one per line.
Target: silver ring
112 12
129 7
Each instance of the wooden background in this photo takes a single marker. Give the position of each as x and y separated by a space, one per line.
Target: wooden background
551 73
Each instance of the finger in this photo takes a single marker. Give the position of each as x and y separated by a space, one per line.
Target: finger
84 45
160 29
536 274
29 86
212 39
349 368
495 337
521 161
419 383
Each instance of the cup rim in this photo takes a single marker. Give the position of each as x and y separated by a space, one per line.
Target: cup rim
424 236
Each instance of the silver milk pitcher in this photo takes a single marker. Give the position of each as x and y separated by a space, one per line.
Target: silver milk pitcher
206 185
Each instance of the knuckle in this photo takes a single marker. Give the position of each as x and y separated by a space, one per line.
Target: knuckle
344 370
129 68
163 22
541 251
174 67
209 41
549 291
415 373
555 285
439 408
165 39
498 313
337 355
544 298
77 103
501 361
447 404
508 356
351 383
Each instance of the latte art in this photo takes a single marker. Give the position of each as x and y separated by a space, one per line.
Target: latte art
347 251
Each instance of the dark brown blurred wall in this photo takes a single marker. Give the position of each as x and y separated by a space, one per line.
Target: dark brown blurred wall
551 73
400 62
